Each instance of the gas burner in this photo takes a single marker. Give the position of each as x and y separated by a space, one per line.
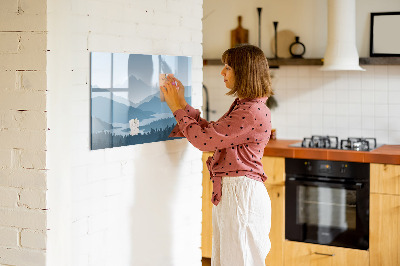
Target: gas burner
332 142
358 144
327 142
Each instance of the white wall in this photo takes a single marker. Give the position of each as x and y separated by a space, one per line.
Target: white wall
23 133
343 104
134 205
306 19
311 102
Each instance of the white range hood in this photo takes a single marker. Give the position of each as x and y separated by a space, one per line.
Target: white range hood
341 51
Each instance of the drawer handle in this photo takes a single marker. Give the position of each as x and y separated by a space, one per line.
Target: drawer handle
324 254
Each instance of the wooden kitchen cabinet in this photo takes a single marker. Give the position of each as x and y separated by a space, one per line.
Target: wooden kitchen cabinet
206 225
384 236
385 215
274 168
277 233
385 178
305 254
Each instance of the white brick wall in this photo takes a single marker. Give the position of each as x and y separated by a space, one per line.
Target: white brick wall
134 205
8 197
11 256
33 239
23 178
108 207
23 218
9 237
23 132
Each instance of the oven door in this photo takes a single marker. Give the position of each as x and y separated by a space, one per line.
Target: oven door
327 213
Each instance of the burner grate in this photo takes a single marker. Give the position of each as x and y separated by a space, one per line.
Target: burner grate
358 144
327 142
332 142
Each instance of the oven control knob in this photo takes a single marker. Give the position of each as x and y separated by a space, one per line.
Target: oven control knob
343 168
308 166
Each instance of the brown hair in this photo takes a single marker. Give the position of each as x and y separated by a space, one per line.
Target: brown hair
250 66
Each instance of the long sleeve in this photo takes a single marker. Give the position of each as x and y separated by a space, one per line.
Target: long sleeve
232 130
193 113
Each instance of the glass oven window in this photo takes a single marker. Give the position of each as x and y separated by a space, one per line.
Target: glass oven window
326 207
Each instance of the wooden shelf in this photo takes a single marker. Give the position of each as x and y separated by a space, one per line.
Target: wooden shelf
274 63
380 61
212 62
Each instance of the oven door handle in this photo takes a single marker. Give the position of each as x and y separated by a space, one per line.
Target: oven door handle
357 185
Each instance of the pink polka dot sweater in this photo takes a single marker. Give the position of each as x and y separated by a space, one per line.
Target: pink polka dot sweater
238 139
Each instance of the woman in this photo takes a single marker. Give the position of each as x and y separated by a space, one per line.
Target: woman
242 208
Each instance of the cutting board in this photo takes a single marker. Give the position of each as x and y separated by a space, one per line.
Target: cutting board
239 35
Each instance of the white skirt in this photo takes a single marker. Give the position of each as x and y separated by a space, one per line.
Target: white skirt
241 223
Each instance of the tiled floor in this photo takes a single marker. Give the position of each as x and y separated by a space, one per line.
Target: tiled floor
206 261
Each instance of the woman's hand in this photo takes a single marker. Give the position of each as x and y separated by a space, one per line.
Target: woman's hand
181 92
173 94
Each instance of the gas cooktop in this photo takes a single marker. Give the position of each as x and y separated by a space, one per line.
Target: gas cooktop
332 142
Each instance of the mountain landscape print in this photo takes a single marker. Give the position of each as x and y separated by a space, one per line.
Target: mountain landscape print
126 106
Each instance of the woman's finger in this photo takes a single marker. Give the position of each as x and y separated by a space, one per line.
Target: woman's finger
169 91
170 87
170 81
179 83
164 91
175 82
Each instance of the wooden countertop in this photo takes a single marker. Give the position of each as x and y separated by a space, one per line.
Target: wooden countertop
389 154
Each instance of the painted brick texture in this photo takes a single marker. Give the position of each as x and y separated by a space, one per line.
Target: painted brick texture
134 205
94 198
9 237
33 239
23 126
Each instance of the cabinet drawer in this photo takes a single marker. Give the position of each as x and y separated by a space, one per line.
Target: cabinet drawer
304 254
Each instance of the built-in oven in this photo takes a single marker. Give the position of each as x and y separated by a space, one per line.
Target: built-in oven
327 202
